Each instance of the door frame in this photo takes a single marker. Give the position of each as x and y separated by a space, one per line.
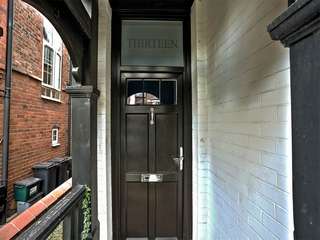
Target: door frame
116 70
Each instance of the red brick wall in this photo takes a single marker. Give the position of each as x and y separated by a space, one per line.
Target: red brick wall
28 34
32 117
3 22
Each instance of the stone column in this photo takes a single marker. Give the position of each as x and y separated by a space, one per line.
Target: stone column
298 28
84 143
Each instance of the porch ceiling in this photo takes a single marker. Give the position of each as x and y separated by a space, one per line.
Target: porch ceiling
151 4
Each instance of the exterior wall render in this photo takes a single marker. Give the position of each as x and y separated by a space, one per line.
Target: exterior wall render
242 119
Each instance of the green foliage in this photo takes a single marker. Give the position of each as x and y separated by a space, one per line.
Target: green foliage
86 207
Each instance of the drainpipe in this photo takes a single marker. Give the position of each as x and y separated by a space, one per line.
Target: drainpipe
7 95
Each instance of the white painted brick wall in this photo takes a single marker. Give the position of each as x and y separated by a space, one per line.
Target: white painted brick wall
104 122
241 122
201 166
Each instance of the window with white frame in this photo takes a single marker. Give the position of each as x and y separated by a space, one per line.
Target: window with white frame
52 62
55 137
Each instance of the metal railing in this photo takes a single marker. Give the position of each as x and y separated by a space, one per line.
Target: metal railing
66 210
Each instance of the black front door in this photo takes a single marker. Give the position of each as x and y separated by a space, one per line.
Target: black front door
152 156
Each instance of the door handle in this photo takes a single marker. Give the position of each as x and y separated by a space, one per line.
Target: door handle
152 116
179 160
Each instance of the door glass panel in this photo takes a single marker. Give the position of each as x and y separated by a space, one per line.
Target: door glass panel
152 43
151 91
135 92
168 92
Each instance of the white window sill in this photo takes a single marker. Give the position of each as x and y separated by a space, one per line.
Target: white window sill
51 99
55 145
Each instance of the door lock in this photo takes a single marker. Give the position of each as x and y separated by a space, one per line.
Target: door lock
151 178
179 160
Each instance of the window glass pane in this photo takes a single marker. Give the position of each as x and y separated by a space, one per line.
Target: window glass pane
57 42
48 65
135 92
52 59
55 137
51 36
152 43
152 92
48 92
168 92
47 31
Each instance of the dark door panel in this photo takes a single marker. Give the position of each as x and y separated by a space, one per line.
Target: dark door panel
137 210
137 142
167 213
166 141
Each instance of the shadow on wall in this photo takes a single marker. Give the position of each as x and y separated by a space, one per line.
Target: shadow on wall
245 179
